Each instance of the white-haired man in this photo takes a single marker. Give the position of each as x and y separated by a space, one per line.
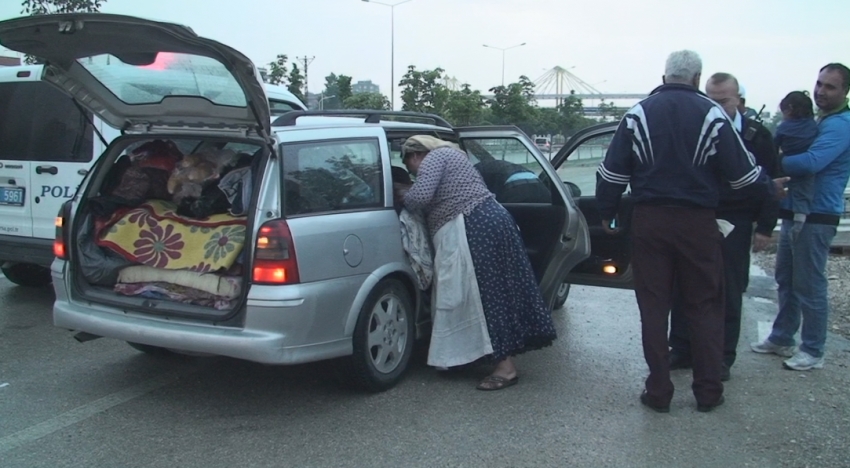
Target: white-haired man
676 148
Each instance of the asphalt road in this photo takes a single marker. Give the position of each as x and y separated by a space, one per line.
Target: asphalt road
98 404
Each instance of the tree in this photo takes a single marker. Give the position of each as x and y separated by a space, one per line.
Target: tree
329 95
464 107
367 101
45 7
572 113
610 110
278 70
296 83
343 89
549 122
423 92
515 104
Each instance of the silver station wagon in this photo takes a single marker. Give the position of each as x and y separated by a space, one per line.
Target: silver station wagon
210 227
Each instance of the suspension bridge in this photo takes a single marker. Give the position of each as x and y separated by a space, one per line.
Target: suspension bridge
559 83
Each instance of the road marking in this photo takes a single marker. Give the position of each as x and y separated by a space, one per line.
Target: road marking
82 413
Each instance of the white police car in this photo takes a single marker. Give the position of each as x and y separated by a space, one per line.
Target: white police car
47 145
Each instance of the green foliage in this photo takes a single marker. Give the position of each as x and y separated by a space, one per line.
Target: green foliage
296 83
423 92
464 107
278 70
45 7
367 101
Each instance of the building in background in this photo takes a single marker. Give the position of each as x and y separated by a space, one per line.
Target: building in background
365 87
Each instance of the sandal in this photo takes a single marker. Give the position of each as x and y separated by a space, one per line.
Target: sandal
495 382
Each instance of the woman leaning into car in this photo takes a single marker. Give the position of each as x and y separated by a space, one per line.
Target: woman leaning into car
487 301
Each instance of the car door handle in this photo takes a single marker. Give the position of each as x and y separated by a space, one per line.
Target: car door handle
83 172
48 169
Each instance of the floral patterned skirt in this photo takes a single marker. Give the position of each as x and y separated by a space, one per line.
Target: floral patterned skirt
517 317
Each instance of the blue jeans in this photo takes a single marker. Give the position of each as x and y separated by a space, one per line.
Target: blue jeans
801 277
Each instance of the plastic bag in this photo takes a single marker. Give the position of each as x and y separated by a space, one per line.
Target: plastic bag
99 266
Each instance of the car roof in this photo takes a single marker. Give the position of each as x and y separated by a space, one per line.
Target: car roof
282 93
328 122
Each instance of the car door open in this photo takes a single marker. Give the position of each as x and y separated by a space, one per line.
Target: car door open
552 228
609 263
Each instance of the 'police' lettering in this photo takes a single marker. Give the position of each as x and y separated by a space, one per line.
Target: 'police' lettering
57 191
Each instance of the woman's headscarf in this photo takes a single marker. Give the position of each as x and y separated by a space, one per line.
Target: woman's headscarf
424 144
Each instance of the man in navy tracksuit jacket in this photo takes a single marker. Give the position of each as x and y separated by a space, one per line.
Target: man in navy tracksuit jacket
676 149
741 211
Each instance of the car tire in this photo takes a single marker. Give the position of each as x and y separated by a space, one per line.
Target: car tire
383 339
27 275
563 293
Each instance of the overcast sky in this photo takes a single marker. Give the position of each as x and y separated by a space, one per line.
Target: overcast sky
773 46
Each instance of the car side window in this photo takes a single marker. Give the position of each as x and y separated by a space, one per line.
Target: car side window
580 166
281 107
510 170
39 123
328 176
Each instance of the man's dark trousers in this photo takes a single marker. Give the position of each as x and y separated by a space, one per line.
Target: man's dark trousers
679 245
736 273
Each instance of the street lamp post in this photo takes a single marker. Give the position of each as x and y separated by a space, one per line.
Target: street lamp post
392 45
322 98
503 49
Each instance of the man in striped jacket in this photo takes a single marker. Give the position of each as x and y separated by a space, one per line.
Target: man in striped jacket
676 148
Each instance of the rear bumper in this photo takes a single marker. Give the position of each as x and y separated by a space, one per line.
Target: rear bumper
263 346
293 326
26 250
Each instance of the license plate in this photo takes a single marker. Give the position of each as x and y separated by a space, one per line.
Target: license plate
12 196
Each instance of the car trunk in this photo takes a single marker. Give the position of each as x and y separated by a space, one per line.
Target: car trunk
164 227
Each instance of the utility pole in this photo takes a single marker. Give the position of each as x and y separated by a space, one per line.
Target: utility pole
306 61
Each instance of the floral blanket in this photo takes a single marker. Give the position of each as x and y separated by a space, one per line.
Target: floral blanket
153 234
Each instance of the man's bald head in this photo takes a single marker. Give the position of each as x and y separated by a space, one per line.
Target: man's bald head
723 89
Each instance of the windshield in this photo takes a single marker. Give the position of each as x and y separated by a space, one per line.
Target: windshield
170 74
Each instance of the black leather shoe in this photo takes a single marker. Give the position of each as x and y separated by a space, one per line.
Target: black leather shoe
707 408
644 399
678 361
725 375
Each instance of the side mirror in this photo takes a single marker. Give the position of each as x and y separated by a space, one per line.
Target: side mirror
574 190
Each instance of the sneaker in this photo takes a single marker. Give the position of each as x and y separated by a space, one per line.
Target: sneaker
803 361
766 347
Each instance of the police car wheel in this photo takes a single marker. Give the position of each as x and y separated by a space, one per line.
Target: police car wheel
25 274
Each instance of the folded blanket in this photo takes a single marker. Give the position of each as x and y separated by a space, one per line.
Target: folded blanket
153 234
176 293
228 287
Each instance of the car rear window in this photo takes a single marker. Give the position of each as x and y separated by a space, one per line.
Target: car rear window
330 176
171 74
39 123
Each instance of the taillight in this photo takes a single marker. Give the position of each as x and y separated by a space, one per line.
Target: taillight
274 255
60 241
